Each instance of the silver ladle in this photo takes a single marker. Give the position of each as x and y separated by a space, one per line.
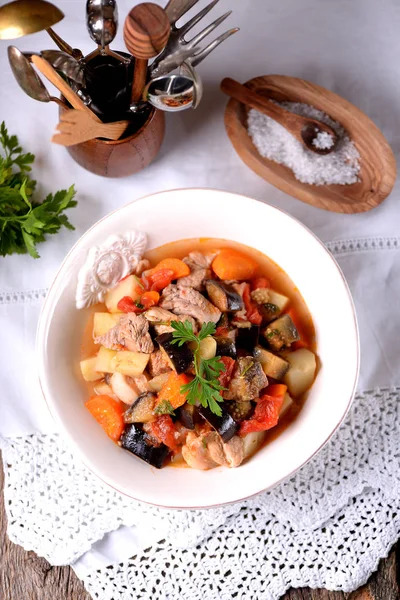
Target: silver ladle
28 79
176 92
171 93
102 25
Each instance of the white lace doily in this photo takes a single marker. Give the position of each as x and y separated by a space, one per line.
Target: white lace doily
256 555
285 537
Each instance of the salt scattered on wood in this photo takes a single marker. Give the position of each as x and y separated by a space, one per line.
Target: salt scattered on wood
341 166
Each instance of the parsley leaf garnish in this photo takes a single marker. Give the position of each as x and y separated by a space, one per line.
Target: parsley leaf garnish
25 222
205 387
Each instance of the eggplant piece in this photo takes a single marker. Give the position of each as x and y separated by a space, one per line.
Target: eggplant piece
269 311
273 366
179 357
142 409
240 411
226 347
224 425
260 295
247 338
247 381
281 332
224 321
223 296
135 440
188 415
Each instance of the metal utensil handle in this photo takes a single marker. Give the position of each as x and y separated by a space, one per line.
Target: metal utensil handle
175 9
47 70
62 44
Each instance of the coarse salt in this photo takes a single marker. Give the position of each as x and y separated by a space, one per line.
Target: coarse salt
273 141
323 140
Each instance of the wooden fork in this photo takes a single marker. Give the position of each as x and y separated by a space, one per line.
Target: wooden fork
76 126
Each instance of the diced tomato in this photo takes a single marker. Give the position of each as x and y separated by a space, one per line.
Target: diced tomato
252 312
171 390
108 413
260 282
266 415
160 279
276 389
222 331
226 375
163 429
149 299
250 427
298 345
127 305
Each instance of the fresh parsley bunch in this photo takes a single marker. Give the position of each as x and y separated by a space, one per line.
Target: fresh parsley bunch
205 386
24 222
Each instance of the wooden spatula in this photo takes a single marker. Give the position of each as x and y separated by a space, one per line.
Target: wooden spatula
77 126
51 74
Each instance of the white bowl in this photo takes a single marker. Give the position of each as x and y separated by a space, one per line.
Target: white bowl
190 213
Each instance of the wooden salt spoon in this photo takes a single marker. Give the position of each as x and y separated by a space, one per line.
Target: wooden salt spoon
76 126
303 129
146 32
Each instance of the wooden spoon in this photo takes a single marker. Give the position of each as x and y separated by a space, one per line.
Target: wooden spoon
51 74
303 129
146 32
76 126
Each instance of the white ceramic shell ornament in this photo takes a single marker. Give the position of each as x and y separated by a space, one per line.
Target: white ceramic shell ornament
105 265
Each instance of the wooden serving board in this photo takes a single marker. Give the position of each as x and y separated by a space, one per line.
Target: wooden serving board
378 164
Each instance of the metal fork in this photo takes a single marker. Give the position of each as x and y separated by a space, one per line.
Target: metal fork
178 49
199 56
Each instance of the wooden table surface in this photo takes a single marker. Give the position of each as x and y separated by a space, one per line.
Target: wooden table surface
25 576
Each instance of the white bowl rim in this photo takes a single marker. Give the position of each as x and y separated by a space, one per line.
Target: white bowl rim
53 410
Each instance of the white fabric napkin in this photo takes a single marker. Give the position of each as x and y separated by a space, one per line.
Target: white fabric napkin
346 47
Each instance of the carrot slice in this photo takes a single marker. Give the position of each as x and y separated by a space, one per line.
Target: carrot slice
231 264
176 265
276 389
171 390
149 299
109 413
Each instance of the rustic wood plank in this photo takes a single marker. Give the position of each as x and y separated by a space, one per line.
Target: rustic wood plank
25 576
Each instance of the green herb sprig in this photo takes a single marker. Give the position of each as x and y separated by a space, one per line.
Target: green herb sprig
24 222
205 386
164 408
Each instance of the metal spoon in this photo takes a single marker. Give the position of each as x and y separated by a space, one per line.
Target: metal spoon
23 17
28 79
66 64
102 24
187 70
171 93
